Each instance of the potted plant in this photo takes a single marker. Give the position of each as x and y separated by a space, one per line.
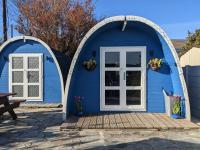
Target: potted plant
176 107
90 64
78 105
155 63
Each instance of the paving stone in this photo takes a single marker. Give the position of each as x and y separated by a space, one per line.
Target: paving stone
38 128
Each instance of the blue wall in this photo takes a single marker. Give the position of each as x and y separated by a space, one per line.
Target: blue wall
51 81
87 84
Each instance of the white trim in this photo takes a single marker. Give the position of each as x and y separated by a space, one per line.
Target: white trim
128 18
168 104
49 50
25 69
124 25
122 69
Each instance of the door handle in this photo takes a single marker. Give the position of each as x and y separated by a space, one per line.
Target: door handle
124 75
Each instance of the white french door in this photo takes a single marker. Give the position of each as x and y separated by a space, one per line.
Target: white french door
25 76
123 78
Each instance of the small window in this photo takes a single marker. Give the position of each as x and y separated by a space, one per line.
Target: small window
26 76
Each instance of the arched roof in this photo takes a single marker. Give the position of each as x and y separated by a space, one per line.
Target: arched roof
126 18
46 46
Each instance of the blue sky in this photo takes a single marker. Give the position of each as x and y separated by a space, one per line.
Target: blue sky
176 17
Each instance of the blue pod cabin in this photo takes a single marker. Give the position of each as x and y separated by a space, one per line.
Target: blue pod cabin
112 69
30 68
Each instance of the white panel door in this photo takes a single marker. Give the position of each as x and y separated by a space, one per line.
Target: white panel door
25 71
123 78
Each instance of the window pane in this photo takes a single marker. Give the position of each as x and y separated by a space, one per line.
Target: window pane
112 78
17 77
133 97
133 59
33 76
33 90
33 63
112 97
17 62
112 59
133 78
18 89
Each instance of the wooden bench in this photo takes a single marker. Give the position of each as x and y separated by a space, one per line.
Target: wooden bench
9 106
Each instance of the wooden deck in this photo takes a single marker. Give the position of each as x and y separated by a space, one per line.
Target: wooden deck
127 121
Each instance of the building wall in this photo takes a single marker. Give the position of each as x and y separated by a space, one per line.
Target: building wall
87 84
51 80
191 58
190 62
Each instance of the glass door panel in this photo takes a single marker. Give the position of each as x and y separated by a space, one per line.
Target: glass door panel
33 76
112 78
133 97
133 59
133 78
112 59
112 97
111 67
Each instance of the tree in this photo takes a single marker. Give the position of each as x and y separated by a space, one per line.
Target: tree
60 23
193 40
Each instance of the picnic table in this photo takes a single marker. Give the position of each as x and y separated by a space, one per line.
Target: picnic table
9 105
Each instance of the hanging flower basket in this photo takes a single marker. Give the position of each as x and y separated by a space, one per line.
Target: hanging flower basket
155 63
90 64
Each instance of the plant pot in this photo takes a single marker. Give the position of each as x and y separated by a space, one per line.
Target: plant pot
176 116
154 68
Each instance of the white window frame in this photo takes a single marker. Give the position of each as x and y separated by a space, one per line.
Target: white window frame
25 71
122 69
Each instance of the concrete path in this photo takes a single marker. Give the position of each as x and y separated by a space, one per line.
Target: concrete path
39 129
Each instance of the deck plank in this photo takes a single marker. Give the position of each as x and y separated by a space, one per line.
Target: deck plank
92 124
164 121
86 122
99 123
127 121
137 120
131 121
118 121
150 120
189 124
113 124
80 122
158 121
171 122
144 121
106 124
